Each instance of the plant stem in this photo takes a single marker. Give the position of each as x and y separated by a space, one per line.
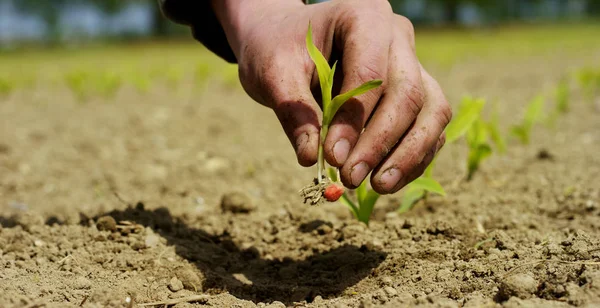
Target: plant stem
320 159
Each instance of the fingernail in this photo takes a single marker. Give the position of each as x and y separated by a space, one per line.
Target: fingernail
389 179
358 173
301 142
341 150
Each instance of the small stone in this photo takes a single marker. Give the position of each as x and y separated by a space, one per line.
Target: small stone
236 202
190 279
151 240
387 281
216 164
39 243
275 304
374 244
390 291
175 284
353 230
106 223
519 285
82 283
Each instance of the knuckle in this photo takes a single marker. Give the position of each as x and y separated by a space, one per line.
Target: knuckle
443 114
363 10
414 98
406 24
368 72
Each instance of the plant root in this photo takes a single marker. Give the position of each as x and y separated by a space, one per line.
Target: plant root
314 193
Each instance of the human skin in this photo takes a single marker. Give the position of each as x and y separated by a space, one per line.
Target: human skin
394 131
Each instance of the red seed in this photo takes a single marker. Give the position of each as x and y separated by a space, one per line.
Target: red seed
333 192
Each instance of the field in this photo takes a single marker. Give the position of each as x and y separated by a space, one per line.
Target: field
114 161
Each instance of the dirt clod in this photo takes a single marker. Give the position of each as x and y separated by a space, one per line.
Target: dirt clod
175 284
519 285
191 280
106 223
237 202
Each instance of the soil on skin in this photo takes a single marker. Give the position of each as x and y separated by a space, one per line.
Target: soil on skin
181 192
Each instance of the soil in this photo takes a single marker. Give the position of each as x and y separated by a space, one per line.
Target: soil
184 192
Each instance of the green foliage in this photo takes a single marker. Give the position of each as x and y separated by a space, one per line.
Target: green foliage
417 190
469 112
588 80
365 199
562 95
493 127
479 147
532 115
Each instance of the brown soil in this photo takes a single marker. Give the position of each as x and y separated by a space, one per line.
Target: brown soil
160 165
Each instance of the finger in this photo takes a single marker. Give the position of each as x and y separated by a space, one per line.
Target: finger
364 39
410 154
287 91
397 110
420 168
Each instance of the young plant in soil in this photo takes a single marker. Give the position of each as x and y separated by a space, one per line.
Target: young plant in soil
588 80
533 115
323 187
419 189
365 199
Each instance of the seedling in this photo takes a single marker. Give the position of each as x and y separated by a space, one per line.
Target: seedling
562 96
419 189
588 80
365 198
532 115
479 147
314 193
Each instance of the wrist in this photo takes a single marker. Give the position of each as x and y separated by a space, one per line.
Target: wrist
238 17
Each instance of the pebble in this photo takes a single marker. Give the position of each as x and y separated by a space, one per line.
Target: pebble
151 240
276 304
191 281
519 285
106 223
175 284
387 280
82 283
236 202
390 291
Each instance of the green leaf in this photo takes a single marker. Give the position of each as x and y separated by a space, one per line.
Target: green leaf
429 185
469 112
366 206
494 129
338 101
534 110
521 133
333 174
345 200
562 97
323 69
410 197
476 156
361 191
429 170
478 133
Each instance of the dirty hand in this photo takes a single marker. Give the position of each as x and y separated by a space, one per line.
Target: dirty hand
403 120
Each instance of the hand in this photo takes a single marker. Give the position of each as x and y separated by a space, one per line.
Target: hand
403 120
